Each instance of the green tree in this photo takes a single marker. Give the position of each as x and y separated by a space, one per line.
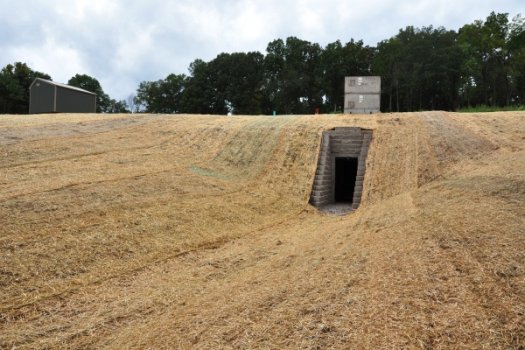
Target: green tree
199 94
420 69
516 54
161 96
492 70
292 76
337 62
15 80
274 64
237 79
471 79
387 64
230 83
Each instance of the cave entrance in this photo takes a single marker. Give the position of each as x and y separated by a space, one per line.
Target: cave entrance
345 177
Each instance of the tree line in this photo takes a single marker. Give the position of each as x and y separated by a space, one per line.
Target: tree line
483 63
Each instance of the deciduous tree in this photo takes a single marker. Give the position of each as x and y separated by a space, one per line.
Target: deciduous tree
15 80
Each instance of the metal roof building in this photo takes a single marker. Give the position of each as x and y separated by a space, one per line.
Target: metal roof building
46 96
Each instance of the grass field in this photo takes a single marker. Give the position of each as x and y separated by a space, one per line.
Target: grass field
195 232
484 109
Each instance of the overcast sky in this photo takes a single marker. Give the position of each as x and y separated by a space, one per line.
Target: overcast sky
122 43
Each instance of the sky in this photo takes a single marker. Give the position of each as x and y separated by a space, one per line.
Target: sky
124 42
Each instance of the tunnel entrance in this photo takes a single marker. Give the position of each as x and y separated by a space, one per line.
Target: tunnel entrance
340 174
345 177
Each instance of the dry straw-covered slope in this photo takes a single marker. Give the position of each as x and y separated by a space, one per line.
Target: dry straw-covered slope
194 232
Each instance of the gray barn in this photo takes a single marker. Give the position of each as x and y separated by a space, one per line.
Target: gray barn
47 96
362 94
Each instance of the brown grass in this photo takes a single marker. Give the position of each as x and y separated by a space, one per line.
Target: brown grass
194 232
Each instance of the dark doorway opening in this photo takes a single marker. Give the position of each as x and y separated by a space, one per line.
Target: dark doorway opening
345 176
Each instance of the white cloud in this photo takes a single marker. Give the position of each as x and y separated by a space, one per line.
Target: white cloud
249 24
48 56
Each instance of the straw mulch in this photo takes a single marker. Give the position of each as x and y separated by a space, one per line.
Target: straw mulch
194 232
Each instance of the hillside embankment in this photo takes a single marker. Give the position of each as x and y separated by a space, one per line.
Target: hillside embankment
153 231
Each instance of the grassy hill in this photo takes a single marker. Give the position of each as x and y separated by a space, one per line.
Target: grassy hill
153 231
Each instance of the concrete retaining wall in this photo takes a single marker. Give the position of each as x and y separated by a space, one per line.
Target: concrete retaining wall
340 142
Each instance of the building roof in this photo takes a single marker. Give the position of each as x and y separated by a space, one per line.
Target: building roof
62 86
